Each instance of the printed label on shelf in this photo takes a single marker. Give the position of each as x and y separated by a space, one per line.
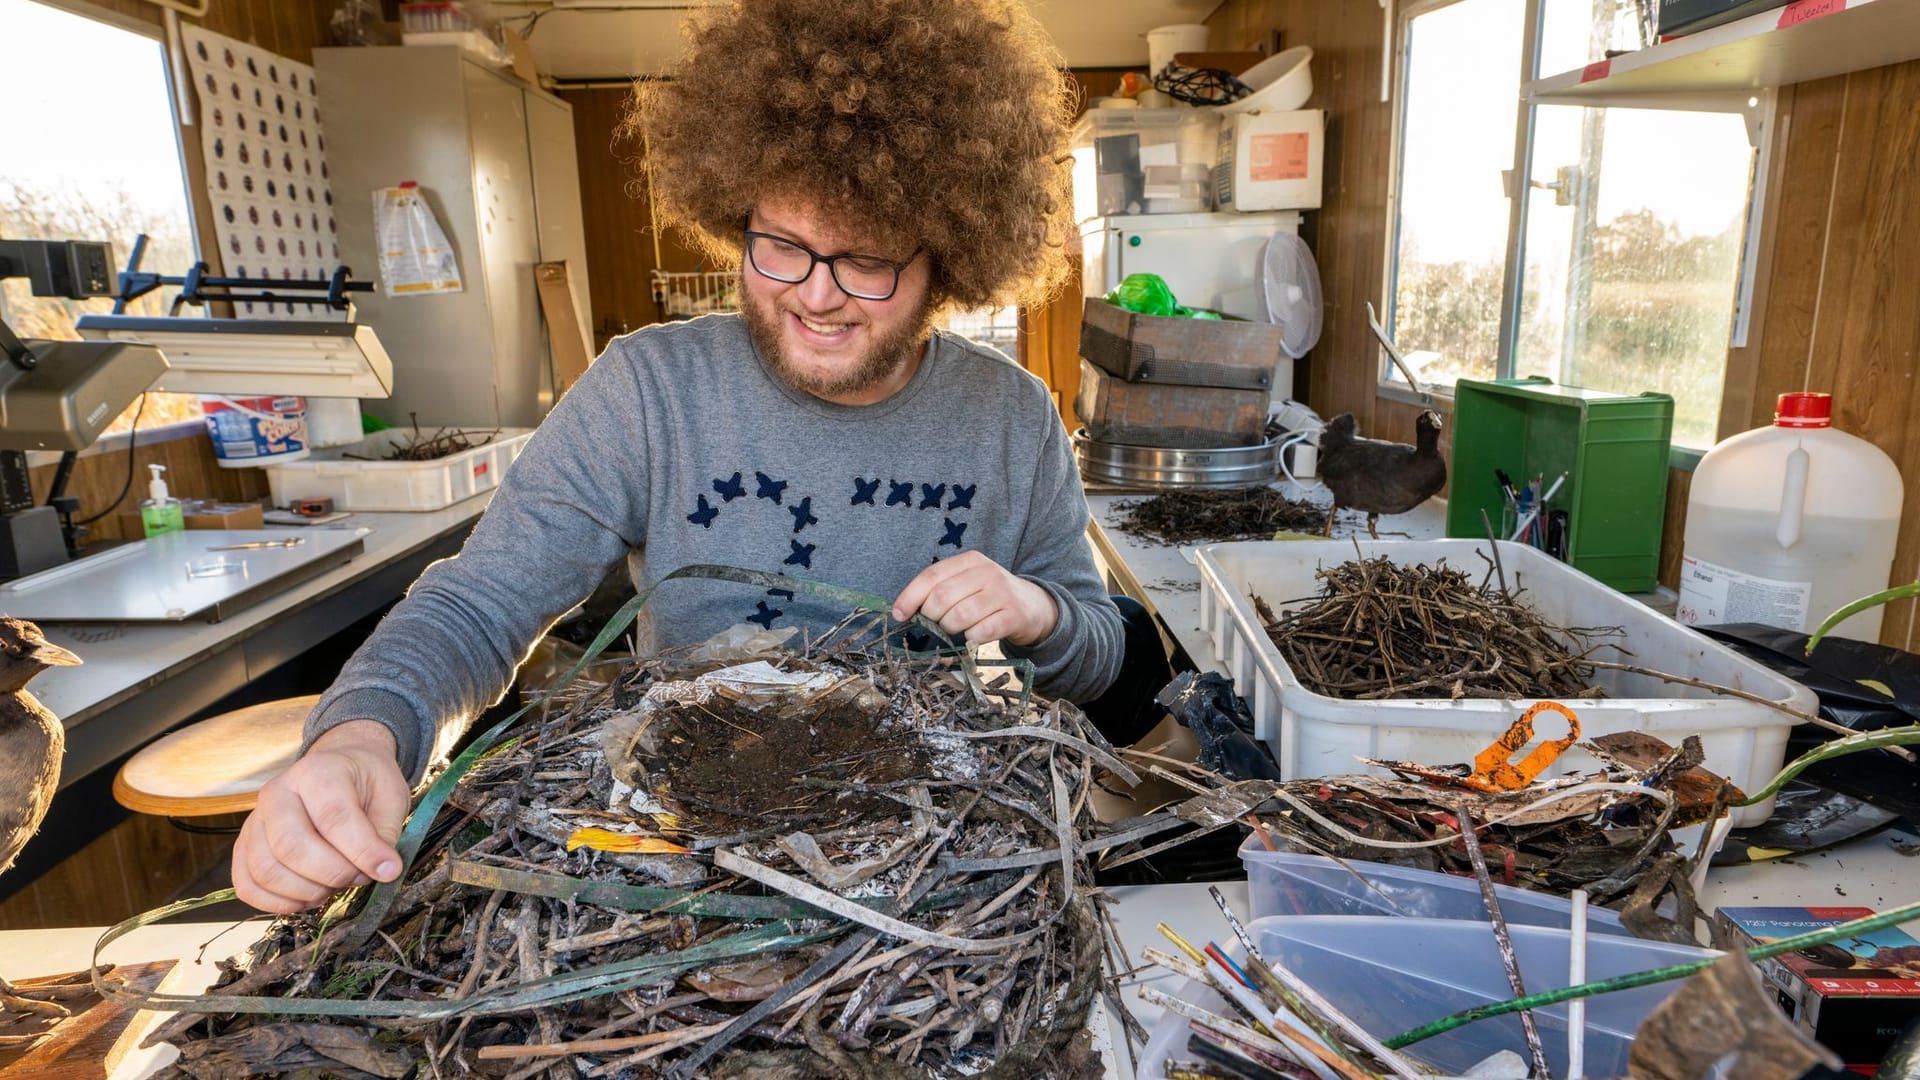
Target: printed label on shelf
1710 594
1806 10
1599 69
1282 156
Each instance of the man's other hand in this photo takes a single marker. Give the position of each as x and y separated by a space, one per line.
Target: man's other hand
328 822
970 595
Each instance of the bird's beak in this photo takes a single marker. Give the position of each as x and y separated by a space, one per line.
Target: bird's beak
47 654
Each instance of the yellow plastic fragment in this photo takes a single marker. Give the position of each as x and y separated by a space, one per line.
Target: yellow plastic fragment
622 843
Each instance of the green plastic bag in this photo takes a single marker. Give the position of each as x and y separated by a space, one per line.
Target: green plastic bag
1144 294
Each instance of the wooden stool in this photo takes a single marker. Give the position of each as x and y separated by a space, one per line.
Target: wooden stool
217 765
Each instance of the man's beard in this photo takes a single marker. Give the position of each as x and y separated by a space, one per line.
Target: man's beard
884 356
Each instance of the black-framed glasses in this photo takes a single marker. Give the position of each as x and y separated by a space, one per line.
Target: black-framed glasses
864 277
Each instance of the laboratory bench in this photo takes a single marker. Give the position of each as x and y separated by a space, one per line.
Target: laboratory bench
139 680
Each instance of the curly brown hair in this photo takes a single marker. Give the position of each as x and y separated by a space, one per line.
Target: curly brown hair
938 123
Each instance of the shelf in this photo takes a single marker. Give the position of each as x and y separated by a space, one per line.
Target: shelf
1807 39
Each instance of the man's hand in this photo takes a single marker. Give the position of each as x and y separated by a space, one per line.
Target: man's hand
328 822
970 595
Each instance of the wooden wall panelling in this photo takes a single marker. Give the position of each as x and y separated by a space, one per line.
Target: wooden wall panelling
613 201
191 473
139 864
1348 232
1050 332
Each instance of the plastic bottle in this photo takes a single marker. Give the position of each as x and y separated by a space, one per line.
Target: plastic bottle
1786 524
160 512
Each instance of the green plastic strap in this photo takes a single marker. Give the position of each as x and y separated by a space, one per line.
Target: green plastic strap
1898 592
1906 735
553 990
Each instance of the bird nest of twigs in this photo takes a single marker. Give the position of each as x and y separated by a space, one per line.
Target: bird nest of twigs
1381 629
837 861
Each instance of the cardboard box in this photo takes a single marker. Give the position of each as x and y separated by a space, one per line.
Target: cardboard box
1271 160
202 514
1854 996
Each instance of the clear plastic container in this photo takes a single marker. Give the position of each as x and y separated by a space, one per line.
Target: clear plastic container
1137 161
1295 883
1786 524
1391 974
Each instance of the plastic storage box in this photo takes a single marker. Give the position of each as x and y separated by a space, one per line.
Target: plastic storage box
1316 735
1613 448
396 485
1295 883
1391 974
1143 161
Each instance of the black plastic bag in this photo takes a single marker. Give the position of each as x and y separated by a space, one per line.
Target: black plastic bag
1221 723
1861 686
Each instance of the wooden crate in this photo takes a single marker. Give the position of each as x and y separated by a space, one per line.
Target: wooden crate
1228 354
1174 417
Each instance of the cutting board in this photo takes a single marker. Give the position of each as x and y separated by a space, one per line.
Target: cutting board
89 1044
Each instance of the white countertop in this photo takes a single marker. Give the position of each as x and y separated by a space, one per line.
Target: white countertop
120 659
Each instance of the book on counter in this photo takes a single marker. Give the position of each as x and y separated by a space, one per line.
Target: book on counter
1854 995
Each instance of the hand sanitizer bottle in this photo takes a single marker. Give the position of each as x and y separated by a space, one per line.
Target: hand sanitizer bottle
160 512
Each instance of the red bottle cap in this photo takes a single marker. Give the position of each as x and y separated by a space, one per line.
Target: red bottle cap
1804 411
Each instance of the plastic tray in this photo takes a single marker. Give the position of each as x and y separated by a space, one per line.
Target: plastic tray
1295 883
1390 974
377 485
1316 735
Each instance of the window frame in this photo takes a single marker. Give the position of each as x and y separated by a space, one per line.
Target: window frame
1758 107
180 104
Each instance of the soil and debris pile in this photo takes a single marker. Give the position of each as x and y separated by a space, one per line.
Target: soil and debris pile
739 861
1186 517
1383 630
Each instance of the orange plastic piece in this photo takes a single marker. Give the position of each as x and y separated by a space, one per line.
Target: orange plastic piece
1494 769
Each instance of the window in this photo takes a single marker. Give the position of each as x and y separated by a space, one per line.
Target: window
1620 268
998 327
88 151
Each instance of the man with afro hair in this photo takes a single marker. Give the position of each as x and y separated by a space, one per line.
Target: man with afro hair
868 165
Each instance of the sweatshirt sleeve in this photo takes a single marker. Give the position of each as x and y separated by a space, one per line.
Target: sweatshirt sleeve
1081 658
565 514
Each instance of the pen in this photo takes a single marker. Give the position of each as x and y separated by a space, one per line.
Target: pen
291 541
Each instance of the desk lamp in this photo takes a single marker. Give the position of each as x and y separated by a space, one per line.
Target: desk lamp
57 395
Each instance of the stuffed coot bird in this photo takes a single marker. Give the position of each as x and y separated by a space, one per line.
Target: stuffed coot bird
31 743
1380 477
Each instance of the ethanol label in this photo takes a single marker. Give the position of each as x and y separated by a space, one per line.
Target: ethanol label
1711 594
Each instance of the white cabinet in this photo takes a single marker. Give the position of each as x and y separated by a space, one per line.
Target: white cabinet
496 161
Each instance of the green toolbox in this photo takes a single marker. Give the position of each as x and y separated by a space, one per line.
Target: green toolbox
1607 514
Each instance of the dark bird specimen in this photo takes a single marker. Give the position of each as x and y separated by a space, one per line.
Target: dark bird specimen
1377 476
31 743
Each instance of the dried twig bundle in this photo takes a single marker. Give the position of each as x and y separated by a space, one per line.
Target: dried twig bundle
1381 629
1184 517
835 862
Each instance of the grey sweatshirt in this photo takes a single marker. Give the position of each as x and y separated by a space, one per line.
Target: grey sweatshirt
679 447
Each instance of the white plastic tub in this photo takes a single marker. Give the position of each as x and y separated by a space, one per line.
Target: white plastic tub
1390 974
375 485
1316 735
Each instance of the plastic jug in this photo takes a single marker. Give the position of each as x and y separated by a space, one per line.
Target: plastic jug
1786 524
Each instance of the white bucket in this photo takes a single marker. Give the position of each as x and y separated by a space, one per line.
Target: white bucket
256 430
1164 42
